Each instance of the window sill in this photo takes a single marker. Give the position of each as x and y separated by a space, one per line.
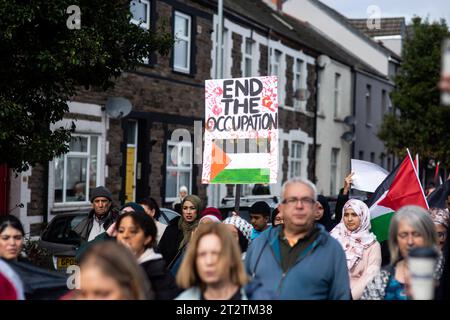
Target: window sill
69 207
183 73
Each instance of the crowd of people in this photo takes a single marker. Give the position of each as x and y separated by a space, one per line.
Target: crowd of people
298 251
301 250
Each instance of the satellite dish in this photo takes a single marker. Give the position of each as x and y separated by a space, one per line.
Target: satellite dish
350 120
348 136
323 60
302 94
118 107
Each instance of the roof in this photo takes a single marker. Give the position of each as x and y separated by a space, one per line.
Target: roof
345 21
388 27
301 32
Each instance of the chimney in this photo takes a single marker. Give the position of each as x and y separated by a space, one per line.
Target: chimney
274 4
279 4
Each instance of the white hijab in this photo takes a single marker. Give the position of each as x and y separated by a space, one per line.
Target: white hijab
355 242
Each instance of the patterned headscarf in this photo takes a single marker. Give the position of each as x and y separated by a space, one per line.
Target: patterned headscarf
242 225
439 216
355 242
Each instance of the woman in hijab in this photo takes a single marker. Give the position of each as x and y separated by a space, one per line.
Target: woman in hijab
324 208
440 218
361 247
179 231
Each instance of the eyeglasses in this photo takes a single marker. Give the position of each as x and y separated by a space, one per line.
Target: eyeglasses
442 234
294 200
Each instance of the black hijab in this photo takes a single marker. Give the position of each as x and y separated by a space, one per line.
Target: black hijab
326 218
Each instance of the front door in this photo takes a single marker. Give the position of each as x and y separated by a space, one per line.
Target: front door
130 174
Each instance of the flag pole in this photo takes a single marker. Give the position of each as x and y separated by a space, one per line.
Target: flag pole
421 188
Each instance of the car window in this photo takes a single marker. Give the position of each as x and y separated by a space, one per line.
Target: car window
167 215
61 230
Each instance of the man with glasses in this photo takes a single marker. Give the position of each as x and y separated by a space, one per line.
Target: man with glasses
100 217
299 260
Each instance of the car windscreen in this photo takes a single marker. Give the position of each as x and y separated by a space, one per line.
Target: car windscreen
61 230
244 213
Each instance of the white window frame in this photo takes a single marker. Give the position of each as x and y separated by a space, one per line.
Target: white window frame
337 96
294 145
139 23
183 38
298 81
248 56
72 154
334 174
280 68
180 167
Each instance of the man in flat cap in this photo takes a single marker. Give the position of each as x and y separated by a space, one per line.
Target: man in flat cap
100 217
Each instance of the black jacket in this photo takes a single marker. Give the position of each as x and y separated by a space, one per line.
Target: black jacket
161 280
170 241
85 226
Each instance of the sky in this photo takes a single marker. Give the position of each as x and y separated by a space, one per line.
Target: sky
434 9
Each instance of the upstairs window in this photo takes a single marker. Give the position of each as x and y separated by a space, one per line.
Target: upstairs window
182 46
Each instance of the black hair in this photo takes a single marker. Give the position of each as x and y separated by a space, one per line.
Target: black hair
11 221
243 241
275 212
151 203
144 221
260 207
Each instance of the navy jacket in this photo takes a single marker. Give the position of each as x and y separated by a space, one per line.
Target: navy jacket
320 272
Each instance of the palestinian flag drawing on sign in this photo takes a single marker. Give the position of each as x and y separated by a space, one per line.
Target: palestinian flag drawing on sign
400 188
241 131
234 165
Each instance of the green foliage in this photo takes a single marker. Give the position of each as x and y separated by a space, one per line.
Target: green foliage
37 255
420 123
42 62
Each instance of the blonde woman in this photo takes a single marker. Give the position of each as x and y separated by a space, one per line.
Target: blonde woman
212 268
362 250
109 271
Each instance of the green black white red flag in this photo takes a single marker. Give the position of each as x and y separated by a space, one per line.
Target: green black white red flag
400 188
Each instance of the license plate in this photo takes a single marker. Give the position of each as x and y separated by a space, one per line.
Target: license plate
65 262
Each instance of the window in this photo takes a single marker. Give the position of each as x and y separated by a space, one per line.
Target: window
140 10
337 83
297 78
275 67
276 70
248 70
368 103
382 156
383 103
179 168
224 47
372 157
182 46
295 159
77 171
333 170
361 155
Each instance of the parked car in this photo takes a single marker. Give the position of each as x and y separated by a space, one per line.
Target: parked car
61 241
228 205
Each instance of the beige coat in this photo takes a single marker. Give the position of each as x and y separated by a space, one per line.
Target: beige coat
365 270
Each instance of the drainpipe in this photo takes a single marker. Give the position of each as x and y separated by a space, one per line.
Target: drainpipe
45 200
316 98
354 110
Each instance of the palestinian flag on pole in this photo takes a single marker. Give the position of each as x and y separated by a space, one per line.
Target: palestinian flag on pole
400 188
